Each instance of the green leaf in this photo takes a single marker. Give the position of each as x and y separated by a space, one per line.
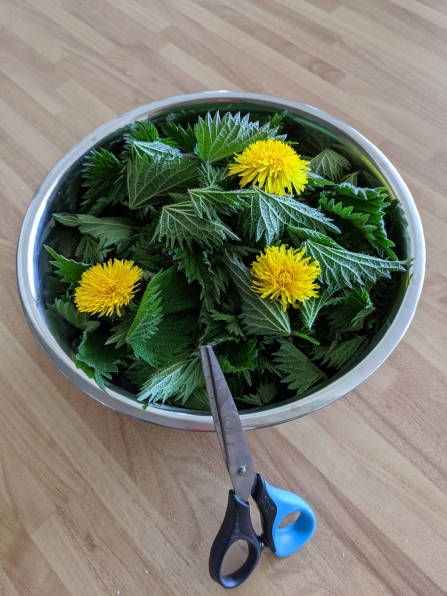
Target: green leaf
70 313
260 316
237 357
147 319
156 149
177 379
213 278
339 354
208 202
143 131
148 180
315 181
179 223
341 268
298 235
351 178
159 330
211 176
72 192
65 244
348 312
109 231
230 321
329 164
173 336
69 270
218 137
265 394
269 214
300 372
101 358
185 139
101 172
121 330
365 208
198 400
264 363
176 294
138 372
88 250
310 308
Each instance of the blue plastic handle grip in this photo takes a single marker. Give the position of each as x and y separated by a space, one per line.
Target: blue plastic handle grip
292 537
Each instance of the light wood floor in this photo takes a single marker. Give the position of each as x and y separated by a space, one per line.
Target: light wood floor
94 503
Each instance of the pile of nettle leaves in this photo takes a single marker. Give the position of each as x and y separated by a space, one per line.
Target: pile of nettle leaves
161 197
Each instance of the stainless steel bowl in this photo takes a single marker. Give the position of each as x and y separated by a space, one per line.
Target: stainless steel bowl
50 194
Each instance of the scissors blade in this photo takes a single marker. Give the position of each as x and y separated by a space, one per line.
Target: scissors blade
228 425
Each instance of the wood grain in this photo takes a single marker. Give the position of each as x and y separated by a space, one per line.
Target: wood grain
95 503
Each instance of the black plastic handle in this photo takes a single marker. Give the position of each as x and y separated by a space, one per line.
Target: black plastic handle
235 526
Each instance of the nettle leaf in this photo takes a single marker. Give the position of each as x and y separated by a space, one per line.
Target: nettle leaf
310 308
298 371
177 379
265 394
213 278
185 139
121 330
351 178
138 371
70 313
176 294
235 357
147 319
98 357
69 270
349 311
218 137
208 202
231 323
72 192
341 268
329 164
89 252
156 149
160 331
337 355
115 195
364 208
211 176
298 235
179 224
260 316
149 179
217 330
315 181
173 336
101 172
269 214
198 400
109 231
147 132
264 363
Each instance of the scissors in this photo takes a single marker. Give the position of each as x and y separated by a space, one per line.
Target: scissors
273 503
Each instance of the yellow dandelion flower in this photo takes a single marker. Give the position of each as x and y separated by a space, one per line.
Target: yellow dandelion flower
273 166
105 288
284 275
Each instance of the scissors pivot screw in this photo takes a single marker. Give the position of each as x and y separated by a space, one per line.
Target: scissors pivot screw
242 470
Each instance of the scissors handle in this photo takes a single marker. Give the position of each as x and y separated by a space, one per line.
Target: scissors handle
235 526
274 505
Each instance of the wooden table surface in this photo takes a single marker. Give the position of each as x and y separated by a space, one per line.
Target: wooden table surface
95 503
